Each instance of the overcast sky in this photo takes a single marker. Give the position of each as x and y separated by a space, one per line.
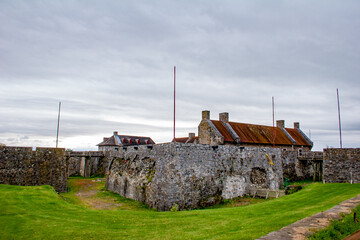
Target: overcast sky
111 64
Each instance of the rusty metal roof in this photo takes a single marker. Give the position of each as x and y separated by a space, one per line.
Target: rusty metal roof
259 134
223 130
186 140
181 140
300 140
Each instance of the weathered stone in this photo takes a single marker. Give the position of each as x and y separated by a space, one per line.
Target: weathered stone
87 163
23 166
341 165
193 175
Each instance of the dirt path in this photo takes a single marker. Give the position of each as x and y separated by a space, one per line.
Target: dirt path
88 192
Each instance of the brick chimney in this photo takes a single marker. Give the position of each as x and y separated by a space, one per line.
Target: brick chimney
105 139
224 117
297 125
191 135
115 133
280 123
206 115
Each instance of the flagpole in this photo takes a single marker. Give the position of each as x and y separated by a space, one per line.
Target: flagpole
273 118
58 126
338 102
174 100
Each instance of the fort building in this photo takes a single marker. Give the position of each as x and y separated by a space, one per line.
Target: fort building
225 132
116 141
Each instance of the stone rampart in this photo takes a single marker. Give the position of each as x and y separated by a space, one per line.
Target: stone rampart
193 175
23 166
341 165
296 168
87 163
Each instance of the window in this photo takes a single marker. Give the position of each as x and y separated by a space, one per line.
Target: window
300 152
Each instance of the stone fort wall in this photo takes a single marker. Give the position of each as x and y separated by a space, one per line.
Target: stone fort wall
87 163
23 166
162 175
193 175
341 165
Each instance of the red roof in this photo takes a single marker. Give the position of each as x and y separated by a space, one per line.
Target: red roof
259 134
300 140
181 140
186 140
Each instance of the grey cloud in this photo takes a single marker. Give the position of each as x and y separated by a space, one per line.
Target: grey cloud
112 61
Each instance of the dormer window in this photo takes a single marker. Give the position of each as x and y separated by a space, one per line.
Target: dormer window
138 141
123 140
130 140
147 141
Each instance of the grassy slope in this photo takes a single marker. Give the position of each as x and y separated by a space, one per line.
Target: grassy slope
40 213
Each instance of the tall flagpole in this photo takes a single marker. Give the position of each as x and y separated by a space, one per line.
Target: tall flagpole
273 118
338 102
58 125
174 99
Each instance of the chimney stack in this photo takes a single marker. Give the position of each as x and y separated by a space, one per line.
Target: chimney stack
297 125
205 115
115 133
280 123
224 117
191 135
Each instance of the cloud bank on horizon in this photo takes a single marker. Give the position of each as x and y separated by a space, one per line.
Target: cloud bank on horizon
110 63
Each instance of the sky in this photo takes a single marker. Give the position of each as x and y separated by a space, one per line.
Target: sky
111 64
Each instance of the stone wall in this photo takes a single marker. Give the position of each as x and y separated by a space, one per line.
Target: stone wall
23 166
87 163
192 175
294 168
341 165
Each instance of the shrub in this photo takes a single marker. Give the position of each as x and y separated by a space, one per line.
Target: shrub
174 208
292 189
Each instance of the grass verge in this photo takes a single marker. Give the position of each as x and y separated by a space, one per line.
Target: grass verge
339 229
40 213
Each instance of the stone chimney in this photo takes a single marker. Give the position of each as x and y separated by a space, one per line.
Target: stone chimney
280 123
191 135
297 125
224 117
205 115
115 133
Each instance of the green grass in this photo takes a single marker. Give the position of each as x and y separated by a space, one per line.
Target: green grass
339 229
40 213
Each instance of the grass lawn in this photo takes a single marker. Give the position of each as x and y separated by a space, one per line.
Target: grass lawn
40 213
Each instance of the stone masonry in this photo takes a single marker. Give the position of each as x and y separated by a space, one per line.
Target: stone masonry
23 166
87 163
193 175
341 165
